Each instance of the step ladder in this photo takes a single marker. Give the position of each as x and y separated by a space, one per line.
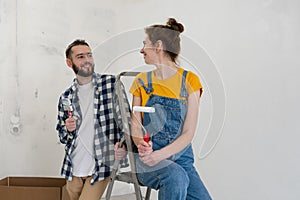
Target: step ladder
123 120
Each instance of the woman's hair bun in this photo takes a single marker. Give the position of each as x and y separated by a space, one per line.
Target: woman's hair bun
175 25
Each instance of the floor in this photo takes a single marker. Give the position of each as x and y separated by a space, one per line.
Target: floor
124 197
125 191
132 196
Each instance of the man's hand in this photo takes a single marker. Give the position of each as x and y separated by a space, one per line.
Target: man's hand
120 153
71 124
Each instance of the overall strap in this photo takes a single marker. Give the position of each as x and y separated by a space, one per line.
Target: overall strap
148 89
183 92
149 77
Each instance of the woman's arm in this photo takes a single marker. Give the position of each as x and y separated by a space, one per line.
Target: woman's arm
136 130
186 136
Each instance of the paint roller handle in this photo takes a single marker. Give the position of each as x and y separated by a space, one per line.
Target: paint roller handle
69 113
146 137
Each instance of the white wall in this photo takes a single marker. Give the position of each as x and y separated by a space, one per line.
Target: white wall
249 51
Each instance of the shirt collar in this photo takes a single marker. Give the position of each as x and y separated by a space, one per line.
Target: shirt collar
75 83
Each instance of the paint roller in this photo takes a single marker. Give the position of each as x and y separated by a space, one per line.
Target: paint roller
67 106
143 109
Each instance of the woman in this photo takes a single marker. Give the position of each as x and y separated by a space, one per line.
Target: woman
166 163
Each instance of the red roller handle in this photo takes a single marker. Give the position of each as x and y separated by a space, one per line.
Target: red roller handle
147 137
69 113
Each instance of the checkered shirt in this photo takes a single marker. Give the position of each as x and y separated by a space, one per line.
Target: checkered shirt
107 132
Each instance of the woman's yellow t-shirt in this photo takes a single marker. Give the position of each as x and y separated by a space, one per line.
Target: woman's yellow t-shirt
170 87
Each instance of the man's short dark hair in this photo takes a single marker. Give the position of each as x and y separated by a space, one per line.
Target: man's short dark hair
75 43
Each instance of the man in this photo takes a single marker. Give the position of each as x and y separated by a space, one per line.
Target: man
86 126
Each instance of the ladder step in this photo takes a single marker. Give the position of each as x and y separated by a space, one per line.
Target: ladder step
125 177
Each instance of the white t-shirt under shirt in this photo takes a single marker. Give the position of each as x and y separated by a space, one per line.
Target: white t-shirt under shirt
83 155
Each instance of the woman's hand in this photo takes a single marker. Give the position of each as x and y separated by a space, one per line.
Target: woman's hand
147 155
144 148
120 153
152 159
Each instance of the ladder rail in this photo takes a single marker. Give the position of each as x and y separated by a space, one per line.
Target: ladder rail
126 138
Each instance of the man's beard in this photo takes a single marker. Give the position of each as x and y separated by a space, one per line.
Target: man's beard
84 73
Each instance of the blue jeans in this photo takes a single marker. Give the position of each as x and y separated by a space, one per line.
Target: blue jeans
175 180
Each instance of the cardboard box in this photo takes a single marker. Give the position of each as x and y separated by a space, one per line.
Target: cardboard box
33 188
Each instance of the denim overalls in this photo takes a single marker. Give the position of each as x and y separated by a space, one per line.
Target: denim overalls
176 177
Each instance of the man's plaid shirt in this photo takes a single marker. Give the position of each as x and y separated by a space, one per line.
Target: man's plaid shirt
106 134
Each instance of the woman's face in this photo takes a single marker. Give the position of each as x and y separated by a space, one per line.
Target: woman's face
149 51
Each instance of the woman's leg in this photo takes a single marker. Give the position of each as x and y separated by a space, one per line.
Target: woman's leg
196 189
168 177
